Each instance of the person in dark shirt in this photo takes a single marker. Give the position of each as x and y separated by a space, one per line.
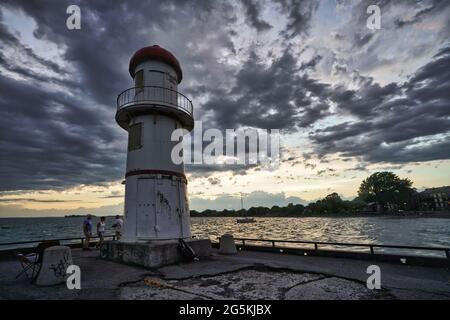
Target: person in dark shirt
87 230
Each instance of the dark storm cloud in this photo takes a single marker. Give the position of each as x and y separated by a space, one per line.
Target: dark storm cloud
311 64
366 100
48 142
10 41
23 61
253 13
57 138
397 123
111 32
277 96
361 39
426 8
421 10
299 14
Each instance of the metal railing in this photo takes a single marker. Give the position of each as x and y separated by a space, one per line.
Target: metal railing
154 95
369 246
318 249
80 239
328 249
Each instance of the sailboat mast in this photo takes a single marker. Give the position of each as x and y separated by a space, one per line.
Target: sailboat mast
242 202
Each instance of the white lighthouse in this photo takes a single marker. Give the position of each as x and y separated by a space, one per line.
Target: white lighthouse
156 204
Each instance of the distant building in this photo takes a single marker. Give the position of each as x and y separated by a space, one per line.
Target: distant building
373 207
434 198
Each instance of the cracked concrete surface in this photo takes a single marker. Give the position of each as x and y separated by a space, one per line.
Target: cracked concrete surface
252 284
247 275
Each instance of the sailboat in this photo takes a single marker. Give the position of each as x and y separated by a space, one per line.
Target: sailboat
244 219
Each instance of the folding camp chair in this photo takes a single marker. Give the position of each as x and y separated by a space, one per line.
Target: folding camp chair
33 261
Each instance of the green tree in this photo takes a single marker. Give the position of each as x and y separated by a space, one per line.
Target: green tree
331 204
386 188
334 204
356 205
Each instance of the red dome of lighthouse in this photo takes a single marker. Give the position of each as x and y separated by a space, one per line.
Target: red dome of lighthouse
155 53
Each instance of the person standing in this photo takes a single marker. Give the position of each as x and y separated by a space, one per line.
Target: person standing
101 226
87 230
118 224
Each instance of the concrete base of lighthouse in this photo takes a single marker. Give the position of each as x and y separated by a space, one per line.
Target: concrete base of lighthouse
152 254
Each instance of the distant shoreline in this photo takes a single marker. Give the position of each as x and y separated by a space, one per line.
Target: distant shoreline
442 215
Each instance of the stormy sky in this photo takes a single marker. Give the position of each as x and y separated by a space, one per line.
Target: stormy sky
348 100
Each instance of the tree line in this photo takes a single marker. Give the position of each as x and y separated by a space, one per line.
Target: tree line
380 192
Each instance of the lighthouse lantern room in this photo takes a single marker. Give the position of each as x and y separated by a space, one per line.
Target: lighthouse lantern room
156 204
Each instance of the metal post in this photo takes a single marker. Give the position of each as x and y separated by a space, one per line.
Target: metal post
315 246
371 250
273 244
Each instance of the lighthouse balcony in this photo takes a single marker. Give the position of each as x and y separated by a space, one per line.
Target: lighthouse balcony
154 100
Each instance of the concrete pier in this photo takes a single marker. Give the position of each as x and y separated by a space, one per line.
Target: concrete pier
153 254
246 275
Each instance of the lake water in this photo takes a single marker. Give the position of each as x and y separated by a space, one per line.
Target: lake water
375 230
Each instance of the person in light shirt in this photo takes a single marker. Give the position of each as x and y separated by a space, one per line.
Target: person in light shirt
101 227
118 224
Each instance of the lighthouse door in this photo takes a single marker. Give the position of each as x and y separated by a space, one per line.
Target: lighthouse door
155 79
167 209
145 208
170 84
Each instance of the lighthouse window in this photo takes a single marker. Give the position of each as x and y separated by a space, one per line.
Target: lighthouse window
171 78
139 81
135 137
